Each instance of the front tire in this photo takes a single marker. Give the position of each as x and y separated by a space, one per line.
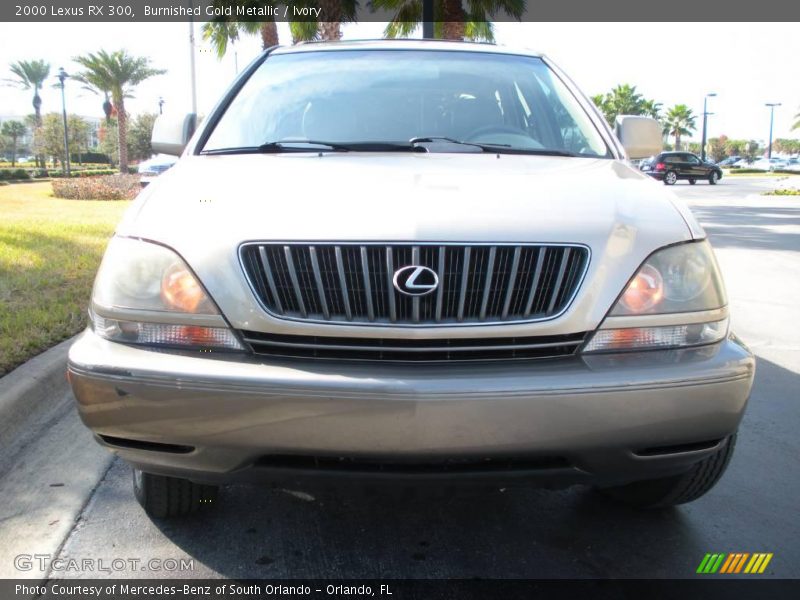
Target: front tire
713 178
670 178
678 489
164 497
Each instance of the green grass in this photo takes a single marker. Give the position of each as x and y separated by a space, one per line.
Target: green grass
49 252
782 192
755 173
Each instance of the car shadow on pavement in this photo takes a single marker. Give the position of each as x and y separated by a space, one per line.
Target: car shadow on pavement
760 228
355 533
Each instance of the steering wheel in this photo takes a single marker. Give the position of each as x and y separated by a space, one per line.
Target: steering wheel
495 129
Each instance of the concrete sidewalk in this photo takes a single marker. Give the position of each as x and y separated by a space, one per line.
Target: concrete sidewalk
49 464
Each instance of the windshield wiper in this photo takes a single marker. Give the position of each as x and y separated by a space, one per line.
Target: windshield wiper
435 143
318 146
416 144
506 149
447 144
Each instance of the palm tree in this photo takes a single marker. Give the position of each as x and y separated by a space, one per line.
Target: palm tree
678 122
652 109
31 74
116 73
220 34
452 22
13 130
332 14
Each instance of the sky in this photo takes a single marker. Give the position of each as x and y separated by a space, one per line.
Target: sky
745 64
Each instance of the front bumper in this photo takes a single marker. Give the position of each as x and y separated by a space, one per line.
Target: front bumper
604 418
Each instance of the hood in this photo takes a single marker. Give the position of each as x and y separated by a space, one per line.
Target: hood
206 206
434 197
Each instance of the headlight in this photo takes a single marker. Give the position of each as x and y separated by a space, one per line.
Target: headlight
676 299
145 294
682 278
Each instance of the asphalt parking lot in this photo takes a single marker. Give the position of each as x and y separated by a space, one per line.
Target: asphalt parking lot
66 497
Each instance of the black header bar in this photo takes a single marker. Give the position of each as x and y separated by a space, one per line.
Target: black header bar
143 11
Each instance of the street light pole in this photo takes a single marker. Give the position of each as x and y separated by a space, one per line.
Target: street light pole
705 124
427 19
772 106
62 76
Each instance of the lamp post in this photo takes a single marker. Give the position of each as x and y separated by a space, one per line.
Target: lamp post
160 105
772 106
427 19
705 124
62 76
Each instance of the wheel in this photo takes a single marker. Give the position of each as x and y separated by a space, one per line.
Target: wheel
678 489
713 178
693 181
164 497
670 178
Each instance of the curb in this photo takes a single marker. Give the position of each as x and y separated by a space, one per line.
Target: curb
27 388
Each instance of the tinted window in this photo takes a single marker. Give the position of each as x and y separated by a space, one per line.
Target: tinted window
396 95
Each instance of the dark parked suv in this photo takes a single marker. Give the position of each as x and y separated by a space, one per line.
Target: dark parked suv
669 167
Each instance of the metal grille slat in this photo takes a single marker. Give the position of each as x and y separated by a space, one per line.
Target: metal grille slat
367 286
415 299
440 275
270 279
464 279
320 287
535 283
487 286
350 282
343 283
295 283
512 278
557 287
390 284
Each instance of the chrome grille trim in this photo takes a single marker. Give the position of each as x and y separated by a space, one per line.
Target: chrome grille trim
351 283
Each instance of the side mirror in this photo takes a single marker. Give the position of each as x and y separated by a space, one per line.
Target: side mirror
172 133
640 136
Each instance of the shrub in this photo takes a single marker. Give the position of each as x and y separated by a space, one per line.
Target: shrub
83 173
106 187
9 174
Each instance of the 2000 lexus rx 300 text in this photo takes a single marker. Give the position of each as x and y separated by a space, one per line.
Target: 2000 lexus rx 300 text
410 261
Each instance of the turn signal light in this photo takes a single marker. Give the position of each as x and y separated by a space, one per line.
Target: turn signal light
181 290
644 291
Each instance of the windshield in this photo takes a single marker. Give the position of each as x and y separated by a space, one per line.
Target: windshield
396 96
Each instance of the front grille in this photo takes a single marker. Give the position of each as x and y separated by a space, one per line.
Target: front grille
353 283
406 350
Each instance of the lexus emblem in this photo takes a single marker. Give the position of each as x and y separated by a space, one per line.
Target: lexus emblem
415 280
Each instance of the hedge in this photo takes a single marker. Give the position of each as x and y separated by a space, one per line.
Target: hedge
106 187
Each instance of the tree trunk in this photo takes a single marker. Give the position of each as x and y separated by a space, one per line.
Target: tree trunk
122 132
37 111
453 26
330 20
330 30
677 142
13 151
269 34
